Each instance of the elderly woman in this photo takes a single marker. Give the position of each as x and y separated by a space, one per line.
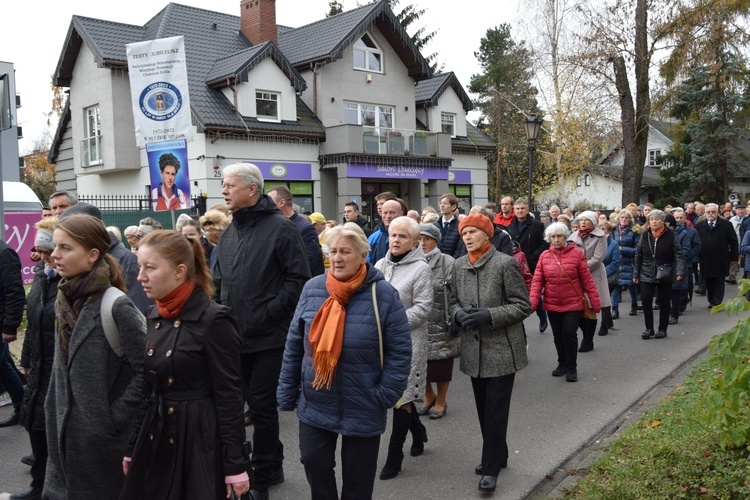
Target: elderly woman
562 275
345 363
488 302
593 242
405 267
442 346
658 262
627 234
612 267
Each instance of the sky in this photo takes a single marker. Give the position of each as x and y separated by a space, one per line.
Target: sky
33 40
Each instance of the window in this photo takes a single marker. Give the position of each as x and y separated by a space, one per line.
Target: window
367 55
448 123
267 105
368 115
654 159
91 146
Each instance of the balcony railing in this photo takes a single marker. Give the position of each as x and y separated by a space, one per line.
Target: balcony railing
91 151
386 141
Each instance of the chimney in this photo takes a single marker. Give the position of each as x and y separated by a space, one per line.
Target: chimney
258 21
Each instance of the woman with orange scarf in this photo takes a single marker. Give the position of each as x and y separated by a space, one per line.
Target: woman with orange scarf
189 442
489 302
346 362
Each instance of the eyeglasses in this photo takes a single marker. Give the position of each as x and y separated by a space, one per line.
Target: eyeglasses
712 211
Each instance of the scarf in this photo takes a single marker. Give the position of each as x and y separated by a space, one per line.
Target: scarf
659 232
474 256
327 329
429 255
171 306
585 230
73 294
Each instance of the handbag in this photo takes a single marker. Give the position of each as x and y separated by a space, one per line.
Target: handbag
587 312
613 280
663 273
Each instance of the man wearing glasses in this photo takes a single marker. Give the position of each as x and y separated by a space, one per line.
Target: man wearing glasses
351 214
719 248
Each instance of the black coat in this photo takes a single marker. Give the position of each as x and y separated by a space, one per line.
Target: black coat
501 240
450 242
260 271
650 253
12 294
531 239
191 433
718 248
362 222
38 348
312 245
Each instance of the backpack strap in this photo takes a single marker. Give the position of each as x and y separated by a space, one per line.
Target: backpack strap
109 325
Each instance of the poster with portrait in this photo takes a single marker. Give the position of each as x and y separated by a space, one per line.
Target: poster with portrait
159 90
170 179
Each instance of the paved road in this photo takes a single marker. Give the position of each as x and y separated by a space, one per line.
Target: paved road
550 418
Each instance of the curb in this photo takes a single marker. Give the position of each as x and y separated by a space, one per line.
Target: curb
558 482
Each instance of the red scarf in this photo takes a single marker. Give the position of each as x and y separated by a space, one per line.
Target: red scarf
474 256
583 231
171 305
327 329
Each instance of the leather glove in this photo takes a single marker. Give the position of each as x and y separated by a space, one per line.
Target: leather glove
477 318
460 316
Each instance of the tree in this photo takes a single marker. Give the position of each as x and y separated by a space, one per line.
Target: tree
37 173
505 97
335 7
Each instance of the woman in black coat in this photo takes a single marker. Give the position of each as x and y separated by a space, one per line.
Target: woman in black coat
38 355
658 262
190 441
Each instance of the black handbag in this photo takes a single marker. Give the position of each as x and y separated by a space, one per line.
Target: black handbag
663 273
613 280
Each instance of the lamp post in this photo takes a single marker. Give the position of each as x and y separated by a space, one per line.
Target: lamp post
533 126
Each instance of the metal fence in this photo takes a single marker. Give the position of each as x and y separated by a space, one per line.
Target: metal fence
127 210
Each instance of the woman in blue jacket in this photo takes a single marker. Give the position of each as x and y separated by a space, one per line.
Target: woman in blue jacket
626 234
351 361
612 266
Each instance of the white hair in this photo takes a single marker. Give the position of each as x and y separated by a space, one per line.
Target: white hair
246 172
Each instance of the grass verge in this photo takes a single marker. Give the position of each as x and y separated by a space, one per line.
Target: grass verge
668 454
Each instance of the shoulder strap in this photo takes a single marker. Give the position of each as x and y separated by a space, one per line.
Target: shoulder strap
377 320
568 276
109 325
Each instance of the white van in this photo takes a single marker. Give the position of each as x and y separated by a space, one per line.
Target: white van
18 197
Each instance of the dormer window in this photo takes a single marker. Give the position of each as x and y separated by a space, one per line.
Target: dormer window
448 122
267 106
367 55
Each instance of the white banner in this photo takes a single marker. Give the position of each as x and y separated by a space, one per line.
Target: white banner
159 90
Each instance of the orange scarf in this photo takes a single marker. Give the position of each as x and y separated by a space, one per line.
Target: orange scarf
327 329
474 256
659 232
171 305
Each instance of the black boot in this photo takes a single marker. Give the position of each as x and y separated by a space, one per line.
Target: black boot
633 310
606 320
615 313
418 435
401 423
589 328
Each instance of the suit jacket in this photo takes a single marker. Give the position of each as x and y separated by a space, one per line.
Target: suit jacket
718 247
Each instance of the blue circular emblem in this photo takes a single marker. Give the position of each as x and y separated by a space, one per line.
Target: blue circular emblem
160 101
278 170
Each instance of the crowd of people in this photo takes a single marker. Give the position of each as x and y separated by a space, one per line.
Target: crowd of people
153 359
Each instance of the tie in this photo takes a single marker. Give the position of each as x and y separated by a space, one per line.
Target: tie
446 225
711 224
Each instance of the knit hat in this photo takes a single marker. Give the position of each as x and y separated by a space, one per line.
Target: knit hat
82 208
430 230
317 218
544 213
588 214
478 221
131 231
181 221
43 239
670 221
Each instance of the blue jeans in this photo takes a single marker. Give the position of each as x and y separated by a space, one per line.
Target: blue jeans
616 294
9 378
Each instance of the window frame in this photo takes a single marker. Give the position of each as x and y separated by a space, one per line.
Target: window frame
452 117
274 97
653 158
367 51
91 141
378 111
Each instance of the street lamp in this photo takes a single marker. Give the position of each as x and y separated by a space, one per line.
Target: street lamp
533 126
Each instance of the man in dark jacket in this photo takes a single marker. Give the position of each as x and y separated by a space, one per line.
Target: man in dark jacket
351 214
282 197
379 239
450 242
12 299
260 275
718 248
529 233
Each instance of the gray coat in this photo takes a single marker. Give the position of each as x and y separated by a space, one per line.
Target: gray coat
493 282
92 404
412 278
594 247
441 344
